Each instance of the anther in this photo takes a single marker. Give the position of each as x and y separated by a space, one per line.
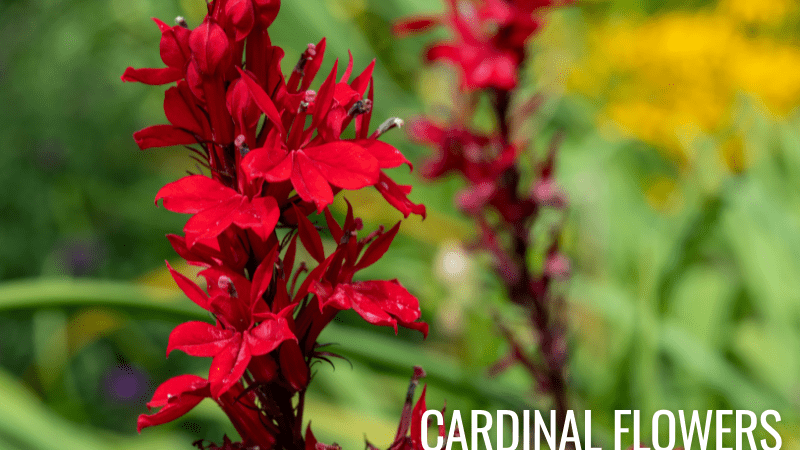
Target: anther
307 56
241 145
181 21
360 107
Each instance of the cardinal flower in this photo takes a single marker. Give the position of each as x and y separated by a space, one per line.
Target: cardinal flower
175 54
379 302
245 326
175 397
216 206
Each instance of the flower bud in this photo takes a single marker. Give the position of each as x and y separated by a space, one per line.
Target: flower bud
210 48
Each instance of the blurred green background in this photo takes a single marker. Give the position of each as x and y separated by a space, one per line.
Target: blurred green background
681 158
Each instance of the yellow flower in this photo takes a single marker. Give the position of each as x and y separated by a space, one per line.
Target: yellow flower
670 78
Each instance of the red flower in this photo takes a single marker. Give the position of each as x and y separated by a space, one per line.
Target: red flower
383 303
231 349
489 44
311 165
175 397
216 207
175 54
245 327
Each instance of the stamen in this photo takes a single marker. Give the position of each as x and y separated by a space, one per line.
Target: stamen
388 124
360 107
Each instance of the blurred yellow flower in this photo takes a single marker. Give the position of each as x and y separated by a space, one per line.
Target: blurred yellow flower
670 78
769 12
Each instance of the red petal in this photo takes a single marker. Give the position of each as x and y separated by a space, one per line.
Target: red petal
199 339
266 11
312 67
288 257
312 277
333 226
362 120
174 45
416 418
322 104
200 255
387 155
169 412
219 279
262 161
210 48
259 214
309 236
360 82
293 365
263 101
392 297
228 367
268 335
383 303
425 131
406 27
396 196
448 52
377 248
175 387
230 311
162 136
240 12
263 275
189 288
363 304
338 298
349 70
282 170
195 193
211 222
243 110
309 183
422 327
344 164
181 110
195 81
311 441
153 77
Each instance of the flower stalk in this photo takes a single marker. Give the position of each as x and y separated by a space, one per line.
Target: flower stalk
488 49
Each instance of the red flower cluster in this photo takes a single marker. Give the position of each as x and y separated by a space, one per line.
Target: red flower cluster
267 176
502 195
489 39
